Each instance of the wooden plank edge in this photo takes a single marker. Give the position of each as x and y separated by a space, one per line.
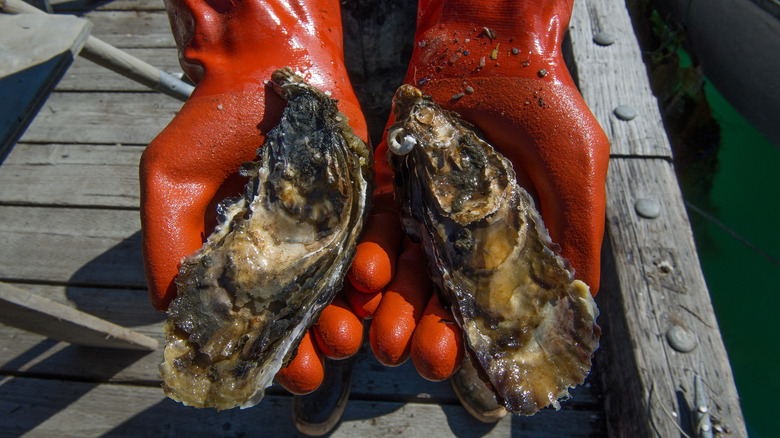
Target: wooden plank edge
34 313
652 283
87 409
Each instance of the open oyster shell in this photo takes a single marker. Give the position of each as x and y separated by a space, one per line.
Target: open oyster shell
529 327
276 258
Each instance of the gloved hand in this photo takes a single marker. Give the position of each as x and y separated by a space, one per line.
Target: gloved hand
498 64
229 49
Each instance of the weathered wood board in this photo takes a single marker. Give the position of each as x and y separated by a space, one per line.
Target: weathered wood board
34 313
81 246
35 53
32 354
657 286
80 6
615 75
83 409
71 175
101 118
78 242
132 29
651 277
85 75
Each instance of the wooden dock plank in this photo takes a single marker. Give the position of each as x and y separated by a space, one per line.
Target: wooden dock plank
93 246
36 52
101 118
132 29
71 175
615 75
85 75
79 6
70 245
658 285
36 356
84 409
33 355
651 277
33 313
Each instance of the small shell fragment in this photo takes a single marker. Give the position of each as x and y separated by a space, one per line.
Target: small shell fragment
494 53
490 33
398 143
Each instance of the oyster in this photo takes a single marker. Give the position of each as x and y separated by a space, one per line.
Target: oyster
276 258
529 327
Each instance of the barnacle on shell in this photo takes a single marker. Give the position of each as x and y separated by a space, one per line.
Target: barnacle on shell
529 326
276 258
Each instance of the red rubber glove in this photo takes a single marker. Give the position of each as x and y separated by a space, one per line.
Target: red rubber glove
229 49
498 64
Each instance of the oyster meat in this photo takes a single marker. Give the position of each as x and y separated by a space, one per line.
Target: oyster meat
529 326
276 258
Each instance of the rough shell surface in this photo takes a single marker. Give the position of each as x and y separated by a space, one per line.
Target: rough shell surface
276 259
529 327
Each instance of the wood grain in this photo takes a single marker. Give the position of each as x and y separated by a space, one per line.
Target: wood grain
74 175
83 409
81 6
34 313
101 118
84 75
657 285
71 245
34 355
615 75
36 52
651 275
132 29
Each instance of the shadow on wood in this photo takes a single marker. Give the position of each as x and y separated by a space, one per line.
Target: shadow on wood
21 97
31 312
29 402
36 52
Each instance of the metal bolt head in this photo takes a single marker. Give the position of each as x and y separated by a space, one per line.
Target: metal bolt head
681 339
625 112
648 208
604 38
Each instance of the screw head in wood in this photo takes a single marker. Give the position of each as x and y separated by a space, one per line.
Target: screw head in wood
604 38
625 112
681 339
648 208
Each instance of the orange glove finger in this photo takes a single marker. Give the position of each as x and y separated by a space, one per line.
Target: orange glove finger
338 331
401 308
363 304
437 344
305 371
374 264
